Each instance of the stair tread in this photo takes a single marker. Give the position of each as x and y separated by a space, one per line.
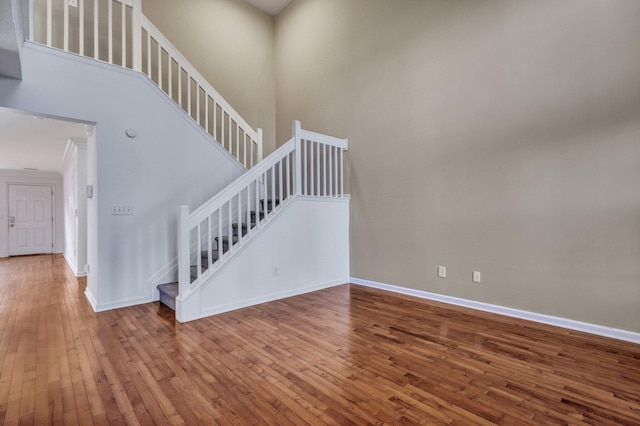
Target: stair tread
235 227
270 203
225 239
168 294
169 289
244 225
204 255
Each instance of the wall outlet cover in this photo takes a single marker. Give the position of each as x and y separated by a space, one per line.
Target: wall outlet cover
442 271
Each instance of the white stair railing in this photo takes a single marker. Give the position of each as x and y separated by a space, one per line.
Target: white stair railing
309 164
116 32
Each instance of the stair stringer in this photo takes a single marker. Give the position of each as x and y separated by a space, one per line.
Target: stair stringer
308 243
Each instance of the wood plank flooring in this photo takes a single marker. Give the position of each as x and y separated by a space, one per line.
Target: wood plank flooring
346 355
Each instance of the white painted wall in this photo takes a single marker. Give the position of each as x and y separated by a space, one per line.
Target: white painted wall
70 208
92 217
309 243
75 206
171 162
22 177
81 236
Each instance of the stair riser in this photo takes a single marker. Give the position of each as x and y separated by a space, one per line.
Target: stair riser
168 300
168 293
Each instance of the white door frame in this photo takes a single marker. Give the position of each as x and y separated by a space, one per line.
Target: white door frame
53 212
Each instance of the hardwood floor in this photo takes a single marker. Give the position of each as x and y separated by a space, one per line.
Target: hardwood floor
346 355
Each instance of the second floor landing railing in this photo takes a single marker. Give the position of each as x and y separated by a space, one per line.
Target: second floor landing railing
116 32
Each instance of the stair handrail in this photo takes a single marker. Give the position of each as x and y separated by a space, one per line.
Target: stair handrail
309 164
187 221
210 110
213 99
241 182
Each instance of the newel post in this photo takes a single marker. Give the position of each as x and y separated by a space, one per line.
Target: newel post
136 34
184 273
298 148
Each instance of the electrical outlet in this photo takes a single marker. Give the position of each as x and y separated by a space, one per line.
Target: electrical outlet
73 3
121 210
442 271
276 272
476 276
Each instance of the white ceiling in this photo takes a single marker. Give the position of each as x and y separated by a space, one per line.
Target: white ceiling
34 143
272 7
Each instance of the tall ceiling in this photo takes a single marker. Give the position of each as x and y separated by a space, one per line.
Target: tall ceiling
31 142
272 7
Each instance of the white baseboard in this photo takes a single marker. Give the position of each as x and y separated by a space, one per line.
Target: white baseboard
123 303
114 305
214 310
92 300
73 268
600 330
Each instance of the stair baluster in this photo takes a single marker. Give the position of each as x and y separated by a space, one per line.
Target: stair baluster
268 189
140 40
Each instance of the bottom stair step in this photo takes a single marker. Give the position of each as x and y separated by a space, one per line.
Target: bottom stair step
168 294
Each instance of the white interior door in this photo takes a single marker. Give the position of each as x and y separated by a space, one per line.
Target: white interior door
30 219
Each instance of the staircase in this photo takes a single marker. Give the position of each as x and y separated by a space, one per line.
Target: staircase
169 291
223 230
279 229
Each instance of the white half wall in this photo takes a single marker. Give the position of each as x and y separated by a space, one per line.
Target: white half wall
8 177
171 162
308 243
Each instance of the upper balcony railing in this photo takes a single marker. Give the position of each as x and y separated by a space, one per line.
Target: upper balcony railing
116 31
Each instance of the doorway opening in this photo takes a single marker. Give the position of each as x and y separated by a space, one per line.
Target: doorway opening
44 172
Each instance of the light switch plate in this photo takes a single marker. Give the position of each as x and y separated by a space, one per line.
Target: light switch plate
121 210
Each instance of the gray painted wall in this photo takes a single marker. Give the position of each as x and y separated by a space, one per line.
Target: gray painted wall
496 136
